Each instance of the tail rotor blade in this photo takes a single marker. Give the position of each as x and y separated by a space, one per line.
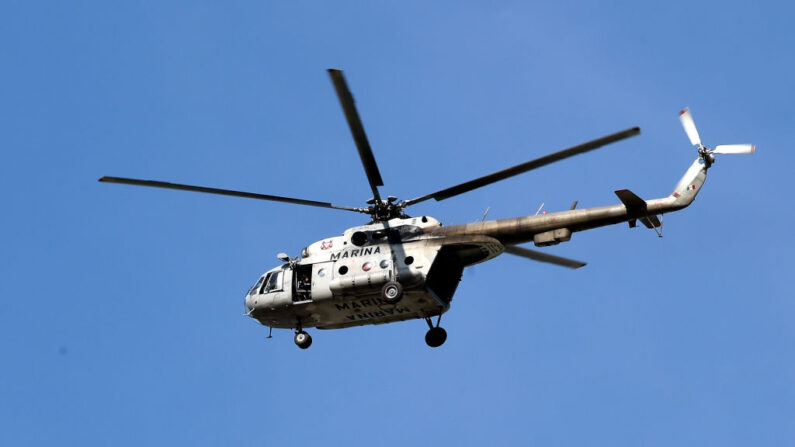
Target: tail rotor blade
690 127
734 149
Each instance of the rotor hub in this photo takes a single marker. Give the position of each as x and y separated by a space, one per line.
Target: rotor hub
383 210
705 154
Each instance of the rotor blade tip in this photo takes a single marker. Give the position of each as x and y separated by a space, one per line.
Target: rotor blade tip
753 148
685 110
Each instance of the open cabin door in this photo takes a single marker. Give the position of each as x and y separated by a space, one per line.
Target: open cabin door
302 283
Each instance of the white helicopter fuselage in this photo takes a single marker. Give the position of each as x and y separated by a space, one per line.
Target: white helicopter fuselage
337 281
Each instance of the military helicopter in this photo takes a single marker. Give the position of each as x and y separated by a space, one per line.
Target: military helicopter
398 267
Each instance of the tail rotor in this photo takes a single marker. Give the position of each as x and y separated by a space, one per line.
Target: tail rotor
704 152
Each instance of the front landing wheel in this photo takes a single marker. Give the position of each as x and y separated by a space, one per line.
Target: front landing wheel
435 337
303 340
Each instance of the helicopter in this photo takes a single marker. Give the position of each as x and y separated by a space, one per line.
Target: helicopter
397 267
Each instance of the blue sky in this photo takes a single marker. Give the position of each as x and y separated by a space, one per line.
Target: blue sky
122 319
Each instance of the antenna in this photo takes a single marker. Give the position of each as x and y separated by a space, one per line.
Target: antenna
540 208
485 214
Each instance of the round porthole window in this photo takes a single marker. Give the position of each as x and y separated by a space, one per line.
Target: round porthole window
409 260
367 266
321 272
384 264
343 270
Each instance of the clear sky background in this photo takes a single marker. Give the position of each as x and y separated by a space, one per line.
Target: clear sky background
122 308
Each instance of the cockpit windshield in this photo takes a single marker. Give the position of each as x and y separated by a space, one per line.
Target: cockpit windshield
255 288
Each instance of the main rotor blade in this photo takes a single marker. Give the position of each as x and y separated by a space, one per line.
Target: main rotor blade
543 257
524 167
226 192
690 127
357 130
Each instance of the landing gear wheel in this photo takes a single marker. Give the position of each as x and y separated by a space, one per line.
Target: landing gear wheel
303 340
392 292
435 337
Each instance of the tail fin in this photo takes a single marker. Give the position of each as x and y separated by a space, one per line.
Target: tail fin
690 184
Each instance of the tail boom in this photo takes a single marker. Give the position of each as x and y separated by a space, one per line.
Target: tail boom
524 229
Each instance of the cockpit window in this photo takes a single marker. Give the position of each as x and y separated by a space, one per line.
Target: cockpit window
264 282
274 282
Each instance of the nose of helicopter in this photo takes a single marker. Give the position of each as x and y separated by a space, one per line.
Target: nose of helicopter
248 304
248 301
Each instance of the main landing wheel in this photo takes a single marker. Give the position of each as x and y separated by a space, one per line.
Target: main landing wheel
392 292
435 337
303 340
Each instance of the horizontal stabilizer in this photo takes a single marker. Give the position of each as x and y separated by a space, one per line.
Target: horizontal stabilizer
651 221
636 209
635 205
